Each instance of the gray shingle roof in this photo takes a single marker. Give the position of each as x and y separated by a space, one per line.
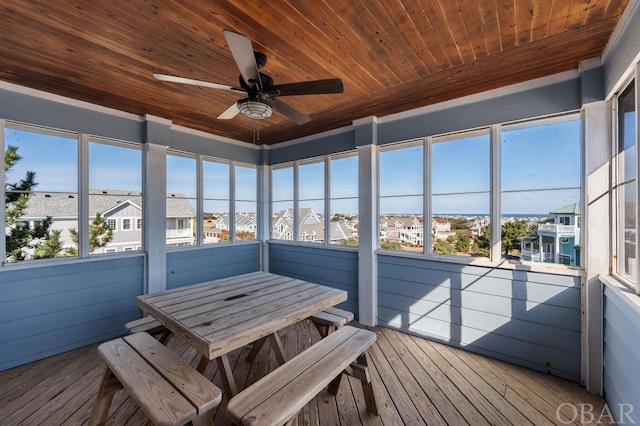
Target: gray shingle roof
65 204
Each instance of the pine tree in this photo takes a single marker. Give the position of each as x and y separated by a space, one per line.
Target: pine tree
100 234
22 241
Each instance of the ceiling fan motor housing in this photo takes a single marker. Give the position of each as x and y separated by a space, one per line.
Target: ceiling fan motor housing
257 107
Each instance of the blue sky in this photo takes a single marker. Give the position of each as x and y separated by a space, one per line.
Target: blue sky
540 173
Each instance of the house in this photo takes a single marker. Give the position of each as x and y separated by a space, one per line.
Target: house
244 222
441 228
417 77
310 227
122 210
558 241
403 229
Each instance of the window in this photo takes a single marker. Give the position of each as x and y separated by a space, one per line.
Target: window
41 199
401 196
115 194
343 202
282 202
540 199
181 200
306 190
216 201
625 185
460 194
311 201
139 224
246 202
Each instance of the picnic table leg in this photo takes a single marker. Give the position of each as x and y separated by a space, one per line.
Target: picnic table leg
202 365
204 420
257 345
226 375
367 387
278 347
108 388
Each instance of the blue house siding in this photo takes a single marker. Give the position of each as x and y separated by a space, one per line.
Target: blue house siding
52 309
526 318
621 356
322 265
187 267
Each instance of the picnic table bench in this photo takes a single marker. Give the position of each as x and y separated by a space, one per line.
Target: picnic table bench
167 389
276 398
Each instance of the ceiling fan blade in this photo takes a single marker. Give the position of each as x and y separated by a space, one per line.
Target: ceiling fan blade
242 52
316 87
290 112
182 80
230 112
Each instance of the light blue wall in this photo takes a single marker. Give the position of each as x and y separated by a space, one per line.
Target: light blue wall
208 263
526 318
52 309
621 353
621 323
322 265
623 49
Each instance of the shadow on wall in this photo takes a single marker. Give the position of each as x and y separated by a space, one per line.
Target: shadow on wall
526 318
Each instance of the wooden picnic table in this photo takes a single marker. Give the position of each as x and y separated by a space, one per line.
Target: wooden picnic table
220 316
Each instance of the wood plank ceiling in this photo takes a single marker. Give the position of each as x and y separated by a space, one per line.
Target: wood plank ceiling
393 55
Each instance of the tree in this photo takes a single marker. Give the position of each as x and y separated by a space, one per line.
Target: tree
100 234
390 245
443 247
511 231
49 247
463 243
245 235
349 242
483 241
459 223
22 241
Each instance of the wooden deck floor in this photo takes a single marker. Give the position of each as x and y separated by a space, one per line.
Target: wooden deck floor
416 381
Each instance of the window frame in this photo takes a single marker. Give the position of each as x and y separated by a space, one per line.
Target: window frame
83 141
619 184
295 165
494 132
81 179
233 200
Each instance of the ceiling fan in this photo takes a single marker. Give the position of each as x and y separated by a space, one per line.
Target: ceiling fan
260 100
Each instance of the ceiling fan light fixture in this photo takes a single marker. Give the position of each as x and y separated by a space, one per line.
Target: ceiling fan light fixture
255 108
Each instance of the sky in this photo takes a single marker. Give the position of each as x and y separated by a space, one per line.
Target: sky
540 172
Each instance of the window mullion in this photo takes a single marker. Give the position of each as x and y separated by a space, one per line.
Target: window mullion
637 218
3 249
199 200
232 202
427 214
327 196
83 196
296 202
494 214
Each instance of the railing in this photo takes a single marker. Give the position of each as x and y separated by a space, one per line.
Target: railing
556 228
179 233
536 256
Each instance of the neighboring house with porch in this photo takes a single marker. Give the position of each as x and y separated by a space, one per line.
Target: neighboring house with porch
404 229
120 209
441 228
310 227
557 241
244 222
